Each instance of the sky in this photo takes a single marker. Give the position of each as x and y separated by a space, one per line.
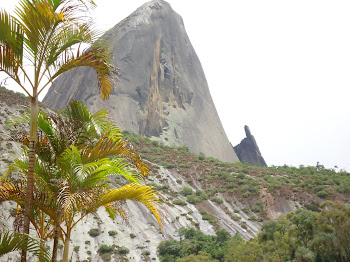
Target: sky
280 67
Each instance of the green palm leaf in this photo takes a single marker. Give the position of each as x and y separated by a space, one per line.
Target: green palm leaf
11 44
143 194
10 242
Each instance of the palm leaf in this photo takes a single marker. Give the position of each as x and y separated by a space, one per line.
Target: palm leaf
16 192
10 242
74 202
143 194
95 57
11 44
120 167
107 146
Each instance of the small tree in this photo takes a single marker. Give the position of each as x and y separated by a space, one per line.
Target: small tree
76 153
45 34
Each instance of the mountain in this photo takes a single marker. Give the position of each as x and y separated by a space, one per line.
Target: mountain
248 150
161 93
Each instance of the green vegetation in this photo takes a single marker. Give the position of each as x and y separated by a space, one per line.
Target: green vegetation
10 242
4 92
76 153
103 249
179 202
300 236
123 250
94 232
106 252
112 233
194 241
196 197
38 45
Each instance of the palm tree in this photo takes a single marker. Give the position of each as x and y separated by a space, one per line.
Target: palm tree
76 154
46 35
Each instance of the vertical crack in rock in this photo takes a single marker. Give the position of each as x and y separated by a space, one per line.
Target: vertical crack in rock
162 87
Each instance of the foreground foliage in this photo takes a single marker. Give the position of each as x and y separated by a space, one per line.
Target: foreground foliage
10 242
77 152
40 43
300 236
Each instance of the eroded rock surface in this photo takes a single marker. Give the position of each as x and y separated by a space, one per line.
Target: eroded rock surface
161 93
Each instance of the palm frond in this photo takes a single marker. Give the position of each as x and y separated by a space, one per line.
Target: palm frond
10 242
120 167
15 191
11 44
115 208
106 147
143 194
12 191
95 57
73 202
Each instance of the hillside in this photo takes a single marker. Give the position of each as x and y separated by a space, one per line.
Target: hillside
197 191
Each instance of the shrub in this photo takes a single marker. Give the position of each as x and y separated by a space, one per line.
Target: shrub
155 143
93 232
132 235
185 191
106 257
217 200
256 209
203 212
123 250
201 156
323 194
253 218
112 233
171 247
179 202
236 218
183 149
193 199
103 249
146 253
76 248
241 176
246 210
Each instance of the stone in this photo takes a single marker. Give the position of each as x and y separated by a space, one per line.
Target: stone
162 92
248 150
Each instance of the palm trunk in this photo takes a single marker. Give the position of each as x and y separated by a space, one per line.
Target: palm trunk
66 248
30 178
55 244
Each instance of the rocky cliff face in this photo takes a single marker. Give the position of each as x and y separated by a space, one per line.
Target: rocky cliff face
162 92
248 150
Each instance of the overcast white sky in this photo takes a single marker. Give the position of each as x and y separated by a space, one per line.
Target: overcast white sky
280 67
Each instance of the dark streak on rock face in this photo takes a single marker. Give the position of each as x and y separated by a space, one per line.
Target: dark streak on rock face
248 150
162 87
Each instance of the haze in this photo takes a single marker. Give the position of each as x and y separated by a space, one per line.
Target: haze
280 67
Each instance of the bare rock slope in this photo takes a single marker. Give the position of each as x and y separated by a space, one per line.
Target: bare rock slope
162 92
